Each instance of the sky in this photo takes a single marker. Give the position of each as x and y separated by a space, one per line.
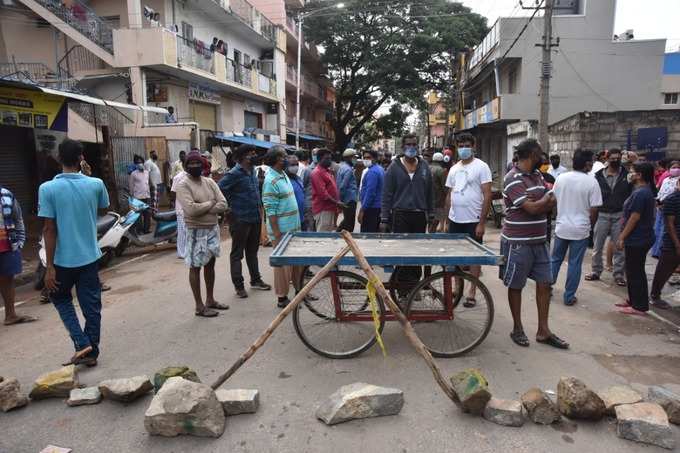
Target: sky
650 19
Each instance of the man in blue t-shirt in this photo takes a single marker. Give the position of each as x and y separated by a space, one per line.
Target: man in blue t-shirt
68 204
670 249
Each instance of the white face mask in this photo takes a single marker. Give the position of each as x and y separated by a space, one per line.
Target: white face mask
368 162
293 169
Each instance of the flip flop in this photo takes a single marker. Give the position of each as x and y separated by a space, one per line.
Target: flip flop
632 311
592 277
206 313
21 320
623 304
620 282
218 306
660 303
520 338
554 341
79 357
470 302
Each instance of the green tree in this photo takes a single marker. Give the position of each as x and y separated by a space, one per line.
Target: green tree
381 51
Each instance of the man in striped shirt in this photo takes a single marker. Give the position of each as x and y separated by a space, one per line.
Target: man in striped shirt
281 210
524 242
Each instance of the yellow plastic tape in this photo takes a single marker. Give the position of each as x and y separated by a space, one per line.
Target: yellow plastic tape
370 288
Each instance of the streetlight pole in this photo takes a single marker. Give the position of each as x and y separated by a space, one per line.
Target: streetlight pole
300 18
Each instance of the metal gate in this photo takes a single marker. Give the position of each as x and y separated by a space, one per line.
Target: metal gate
16 155
124 149
175 146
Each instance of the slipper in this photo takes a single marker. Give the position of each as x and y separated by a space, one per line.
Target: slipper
623 304
592 277
632 311
660 303
21 320
470 302
206 313
571 302
520 338
79 357
554 341
218 306
620 282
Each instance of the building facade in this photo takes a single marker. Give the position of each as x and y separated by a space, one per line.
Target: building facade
591 71
440 123
670 82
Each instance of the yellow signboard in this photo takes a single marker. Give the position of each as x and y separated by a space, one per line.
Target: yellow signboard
26 108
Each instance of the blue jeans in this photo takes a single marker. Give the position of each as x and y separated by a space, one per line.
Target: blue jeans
89 292
577 250
659 228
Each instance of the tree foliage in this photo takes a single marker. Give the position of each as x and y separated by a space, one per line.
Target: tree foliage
381 51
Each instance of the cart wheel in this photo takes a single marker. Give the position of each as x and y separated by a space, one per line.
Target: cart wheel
450 337
317 325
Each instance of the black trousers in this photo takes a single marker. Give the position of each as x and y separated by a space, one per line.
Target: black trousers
349 216
638 294
371 221
245 238
668 262
408 222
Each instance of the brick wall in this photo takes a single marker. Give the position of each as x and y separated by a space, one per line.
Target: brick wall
604 130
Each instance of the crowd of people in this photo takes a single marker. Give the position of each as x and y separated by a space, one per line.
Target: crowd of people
630 202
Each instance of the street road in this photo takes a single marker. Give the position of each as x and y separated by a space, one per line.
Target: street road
148 323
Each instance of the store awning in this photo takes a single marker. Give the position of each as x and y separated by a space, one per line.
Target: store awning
246 141
312 138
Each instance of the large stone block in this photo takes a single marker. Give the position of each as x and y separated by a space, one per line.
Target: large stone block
472 389
646 423
576 401
183 407
238 401
505 412
10 395
618 395
666 399
540 408
360 400
125 390
84 396
55 384
166 373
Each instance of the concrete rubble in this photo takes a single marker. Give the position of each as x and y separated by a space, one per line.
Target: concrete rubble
55 384
666 399
540 408
618 395
183 407
239 401
360 400
166 373
10 395
125 390
84 396
472 389
646 423
505 412
576 401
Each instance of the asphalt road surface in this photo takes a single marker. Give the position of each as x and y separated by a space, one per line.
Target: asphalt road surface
148 323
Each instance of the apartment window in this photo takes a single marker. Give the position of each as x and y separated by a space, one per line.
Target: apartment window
512 81
670 98
187 31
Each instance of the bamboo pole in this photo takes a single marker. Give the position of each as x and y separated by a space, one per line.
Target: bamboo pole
405 324
299 297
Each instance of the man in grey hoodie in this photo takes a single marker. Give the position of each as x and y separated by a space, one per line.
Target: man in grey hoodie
407 202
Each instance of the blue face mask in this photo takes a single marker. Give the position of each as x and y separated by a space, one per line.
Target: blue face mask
410 152
464 153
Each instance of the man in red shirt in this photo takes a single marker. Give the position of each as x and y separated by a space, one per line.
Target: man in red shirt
325 199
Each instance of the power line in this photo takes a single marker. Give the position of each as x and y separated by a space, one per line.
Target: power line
584 81
521 32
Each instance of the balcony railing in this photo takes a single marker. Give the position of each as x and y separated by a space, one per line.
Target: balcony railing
250 78
306 126
488 43
83 19
195 54
37 73
250 16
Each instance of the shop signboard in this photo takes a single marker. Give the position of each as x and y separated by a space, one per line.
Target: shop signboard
202 93
33 109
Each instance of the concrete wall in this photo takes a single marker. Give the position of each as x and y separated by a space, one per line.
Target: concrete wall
591 72
16 29
274 10
603 130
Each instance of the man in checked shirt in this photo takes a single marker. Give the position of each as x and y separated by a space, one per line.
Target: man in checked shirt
524 242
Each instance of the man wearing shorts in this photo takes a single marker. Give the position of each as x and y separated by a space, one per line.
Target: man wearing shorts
524 242
201 202
469 199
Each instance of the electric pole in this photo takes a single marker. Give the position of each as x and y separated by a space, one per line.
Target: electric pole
546 74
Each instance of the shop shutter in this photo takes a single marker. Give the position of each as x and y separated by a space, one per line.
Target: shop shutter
204 115
16 155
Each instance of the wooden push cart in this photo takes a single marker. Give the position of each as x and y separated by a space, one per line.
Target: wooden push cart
335 319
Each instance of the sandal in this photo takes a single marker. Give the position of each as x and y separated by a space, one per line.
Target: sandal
207 313
218 306
659 303
20 320
623 304
520 338
592 277
79 357
620 282
632 311
554 341
470 302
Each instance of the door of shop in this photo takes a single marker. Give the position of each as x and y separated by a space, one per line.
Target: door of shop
17 157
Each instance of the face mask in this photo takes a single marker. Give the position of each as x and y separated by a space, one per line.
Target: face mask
631 178
555 165
614 163
293 169
140 167
674 172
285 163
464 153
544 168
315 159
354 162
410 152
154 158
325 163
368 163
195 171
